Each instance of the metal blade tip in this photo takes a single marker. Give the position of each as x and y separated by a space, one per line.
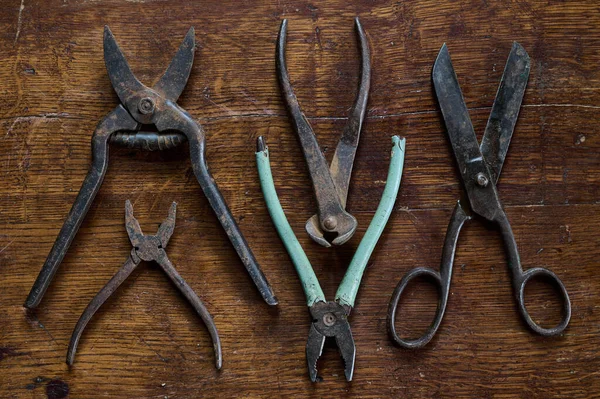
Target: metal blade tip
359 28
516 47
443 55
349 372
443 52
108 36
190 36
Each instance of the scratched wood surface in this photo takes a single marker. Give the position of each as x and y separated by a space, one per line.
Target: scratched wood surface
146 342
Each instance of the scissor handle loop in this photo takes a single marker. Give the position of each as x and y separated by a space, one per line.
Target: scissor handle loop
521 277
442 289
521 282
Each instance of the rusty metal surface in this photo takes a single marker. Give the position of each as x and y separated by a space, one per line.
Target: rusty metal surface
480 167
332 224
142 106
149 248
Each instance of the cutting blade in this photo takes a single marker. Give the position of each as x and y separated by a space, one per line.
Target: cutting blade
474 172
124 82
505 111
173 81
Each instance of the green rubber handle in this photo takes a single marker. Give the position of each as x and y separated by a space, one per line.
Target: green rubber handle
346 293
310 283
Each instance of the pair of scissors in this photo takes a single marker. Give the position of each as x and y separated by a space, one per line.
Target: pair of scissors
332 224
330 318
480 167
128 125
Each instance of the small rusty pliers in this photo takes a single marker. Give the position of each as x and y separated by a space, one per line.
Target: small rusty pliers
330 184
146 248
142 106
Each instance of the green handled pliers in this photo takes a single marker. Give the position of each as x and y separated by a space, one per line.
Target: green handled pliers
330 318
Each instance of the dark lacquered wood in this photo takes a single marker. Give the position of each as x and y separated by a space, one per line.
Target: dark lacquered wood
147 342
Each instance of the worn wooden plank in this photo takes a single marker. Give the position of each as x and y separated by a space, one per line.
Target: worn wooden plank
146 342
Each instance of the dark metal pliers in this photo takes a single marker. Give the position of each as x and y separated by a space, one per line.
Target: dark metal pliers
330 184
141 106
146 248
479 167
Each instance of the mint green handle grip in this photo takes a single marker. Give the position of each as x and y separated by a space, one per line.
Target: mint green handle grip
310 283
346 293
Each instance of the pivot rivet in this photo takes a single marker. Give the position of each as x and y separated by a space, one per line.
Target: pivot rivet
329 319
330 223
482 180
146 106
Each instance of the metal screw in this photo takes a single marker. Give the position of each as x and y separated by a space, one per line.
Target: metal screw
330 223
146 106
482 180
329 319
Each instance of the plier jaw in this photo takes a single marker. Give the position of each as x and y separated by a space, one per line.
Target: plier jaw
145 247
330 319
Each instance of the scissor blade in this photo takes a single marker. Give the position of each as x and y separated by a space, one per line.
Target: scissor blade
456 116
505 111
474 173
173 81
124 82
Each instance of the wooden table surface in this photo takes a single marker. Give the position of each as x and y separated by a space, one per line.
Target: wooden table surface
146 342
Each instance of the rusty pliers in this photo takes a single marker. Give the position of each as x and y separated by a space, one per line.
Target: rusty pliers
125 125
146 248
330 184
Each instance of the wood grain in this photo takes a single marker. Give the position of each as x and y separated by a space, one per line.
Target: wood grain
147 343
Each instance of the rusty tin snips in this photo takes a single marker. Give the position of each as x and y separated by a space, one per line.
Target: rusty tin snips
148 248
330 184
141 106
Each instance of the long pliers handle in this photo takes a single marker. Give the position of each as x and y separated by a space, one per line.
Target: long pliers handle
346 293
310 282
117 120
